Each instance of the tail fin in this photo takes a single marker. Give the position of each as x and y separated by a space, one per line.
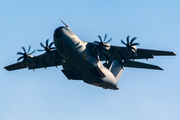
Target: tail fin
117 69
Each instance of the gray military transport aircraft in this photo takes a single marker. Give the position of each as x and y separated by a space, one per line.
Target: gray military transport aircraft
84 60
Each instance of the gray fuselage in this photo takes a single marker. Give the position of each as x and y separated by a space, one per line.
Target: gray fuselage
77 58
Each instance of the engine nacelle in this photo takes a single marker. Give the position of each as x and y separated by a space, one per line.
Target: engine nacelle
134 50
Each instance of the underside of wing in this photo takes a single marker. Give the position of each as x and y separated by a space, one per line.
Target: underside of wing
122 52
156 52
41 61
15 66
45 60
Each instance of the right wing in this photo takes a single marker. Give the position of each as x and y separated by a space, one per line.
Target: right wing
119 52
40 61
142 53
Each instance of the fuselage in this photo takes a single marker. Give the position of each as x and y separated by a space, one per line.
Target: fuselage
76 58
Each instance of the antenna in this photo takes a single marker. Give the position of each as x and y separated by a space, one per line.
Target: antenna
64 23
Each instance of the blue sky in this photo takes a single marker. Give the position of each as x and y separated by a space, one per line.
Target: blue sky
48 94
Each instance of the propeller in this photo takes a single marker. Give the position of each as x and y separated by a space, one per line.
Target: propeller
102 46
25 55
130 44
47 48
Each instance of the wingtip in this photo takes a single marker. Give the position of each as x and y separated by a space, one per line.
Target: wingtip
174 54
161 69
6 68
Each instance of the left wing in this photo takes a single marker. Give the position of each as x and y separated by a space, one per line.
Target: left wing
121 53
142 53
118 52
40 61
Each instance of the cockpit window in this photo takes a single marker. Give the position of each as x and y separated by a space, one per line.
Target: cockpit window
66 28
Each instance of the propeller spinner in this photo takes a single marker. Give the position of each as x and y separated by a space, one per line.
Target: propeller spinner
25 55
102 46
130 45
47 48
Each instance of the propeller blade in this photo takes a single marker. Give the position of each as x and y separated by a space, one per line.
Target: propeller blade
133 40
51 44
32 52
24 49
123 42
42 45
47 42
104 46
108 40
47 48
101 46
100 38
105 37
127 39
20 58
135 44
29 49
40 50
96 42
53 48
20 53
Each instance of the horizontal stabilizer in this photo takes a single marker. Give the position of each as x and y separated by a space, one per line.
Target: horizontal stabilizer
135 64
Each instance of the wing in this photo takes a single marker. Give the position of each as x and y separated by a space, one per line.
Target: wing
121 53
142 53
156 52
40 61
117 53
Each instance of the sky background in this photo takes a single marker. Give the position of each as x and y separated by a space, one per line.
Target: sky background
49 95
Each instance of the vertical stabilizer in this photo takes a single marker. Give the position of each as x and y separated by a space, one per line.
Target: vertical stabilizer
117 69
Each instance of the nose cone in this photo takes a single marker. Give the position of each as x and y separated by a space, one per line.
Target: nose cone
58 33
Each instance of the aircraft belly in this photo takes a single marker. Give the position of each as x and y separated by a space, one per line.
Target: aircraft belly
104 79
81 66
89 72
